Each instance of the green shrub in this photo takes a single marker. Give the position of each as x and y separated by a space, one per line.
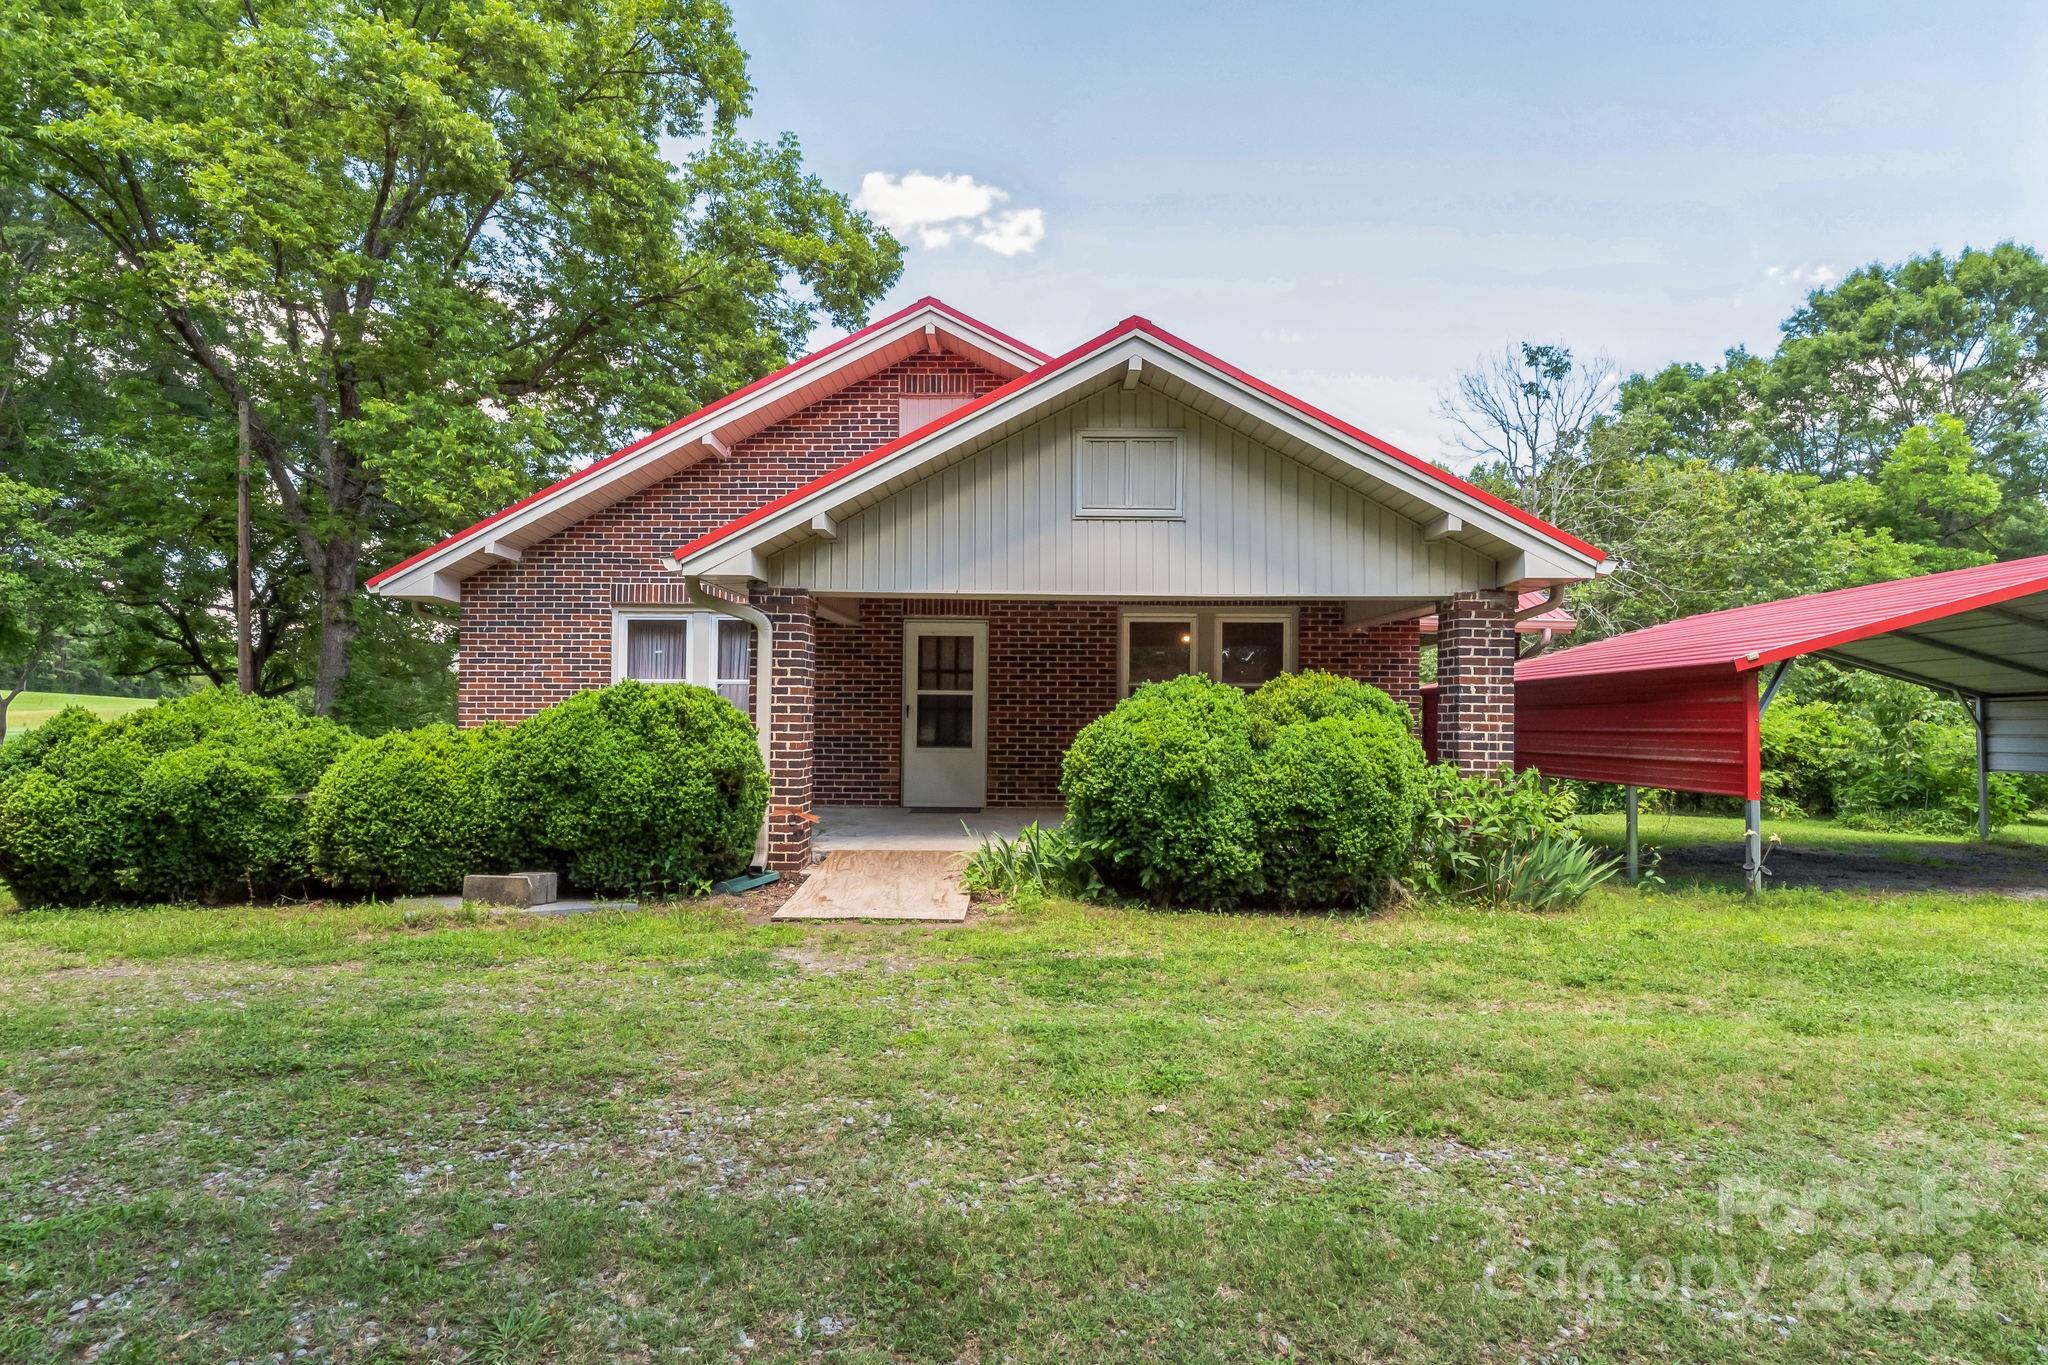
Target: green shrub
410 811
637 787
1155 793
1922 776
197 799
1503 839
1809 749
1296 698
1335 788
27 749
1304 793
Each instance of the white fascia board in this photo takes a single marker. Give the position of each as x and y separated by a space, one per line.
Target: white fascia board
414 582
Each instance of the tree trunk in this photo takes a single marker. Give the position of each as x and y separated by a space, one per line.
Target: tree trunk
245 655
335 589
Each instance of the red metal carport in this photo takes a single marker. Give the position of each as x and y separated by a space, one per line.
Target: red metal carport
1677 705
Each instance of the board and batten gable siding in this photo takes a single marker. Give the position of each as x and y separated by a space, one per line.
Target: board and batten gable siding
1255 523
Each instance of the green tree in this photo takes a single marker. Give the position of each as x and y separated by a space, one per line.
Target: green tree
1861 365
436 252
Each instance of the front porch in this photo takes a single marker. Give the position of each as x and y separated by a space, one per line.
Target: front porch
925 724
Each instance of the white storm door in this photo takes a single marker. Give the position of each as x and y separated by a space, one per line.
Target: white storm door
945 714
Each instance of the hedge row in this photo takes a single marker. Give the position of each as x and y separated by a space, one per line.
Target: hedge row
1304 793
221 797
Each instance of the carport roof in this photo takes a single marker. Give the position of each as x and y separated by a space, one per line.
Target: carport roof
1980 631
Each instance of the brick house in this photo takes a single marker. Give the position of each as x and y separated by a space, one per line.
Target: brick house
923 557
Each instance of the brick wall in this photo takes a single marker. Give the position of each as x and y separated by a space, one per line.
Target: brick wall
792 719
1052 669
536 631
1475 671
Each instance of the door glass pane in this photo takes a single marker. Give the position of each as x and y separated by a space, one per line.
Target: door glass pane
735 641
1160 650
945 663
1253 651
945 722
657 650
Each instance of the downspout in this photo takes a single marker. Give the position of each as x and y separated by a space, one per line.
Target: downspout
764 649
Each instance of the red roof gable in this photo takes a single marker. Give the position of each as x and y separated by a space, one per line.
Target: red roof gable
1125 328
814 358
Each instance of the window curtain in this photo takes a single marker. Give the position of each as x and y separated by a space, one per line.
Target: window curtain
735 640
658 651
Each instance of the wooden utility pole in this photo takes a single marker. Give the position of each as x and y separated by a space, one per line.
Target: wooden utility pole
245 649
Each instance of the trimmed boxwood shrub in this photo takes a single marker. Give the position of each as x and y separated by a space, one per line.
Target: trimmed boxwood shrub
413 810
1335 789
1189 792
635 787
198 799
1155 794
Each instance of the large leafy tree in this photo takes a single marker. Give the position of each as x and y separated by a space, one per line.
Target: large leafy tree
1862 364
435 251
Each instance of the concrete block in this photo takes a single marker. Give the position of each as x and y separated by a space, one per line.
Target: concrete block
512 888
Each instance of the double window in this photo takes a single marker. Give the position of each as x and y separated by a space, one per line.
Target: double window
655 644
1242 648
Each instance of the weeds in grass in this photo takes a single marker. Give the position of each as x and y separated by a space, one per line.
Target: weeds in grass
516 1334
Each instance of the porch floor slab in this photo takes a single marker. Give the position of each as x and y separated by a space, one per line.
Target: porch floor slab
842 828
881 884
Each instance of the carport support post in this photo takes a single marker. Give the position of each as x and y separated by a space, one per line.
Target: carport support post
1634 850
1753 846
1977 714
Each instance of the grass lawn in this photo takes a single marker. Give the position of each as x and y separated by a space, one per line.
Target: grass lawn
31 709
1668 1126
1693 831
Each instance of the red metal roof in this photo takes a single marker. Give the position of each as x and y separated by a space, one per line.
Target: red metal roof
1755 636
1125 328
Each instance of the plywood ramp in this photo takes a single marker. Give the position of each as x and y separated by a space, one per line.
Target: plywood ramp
893 884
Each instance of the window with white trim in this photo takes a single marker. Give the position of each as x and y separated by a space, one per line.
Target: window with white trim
1127 474
668 644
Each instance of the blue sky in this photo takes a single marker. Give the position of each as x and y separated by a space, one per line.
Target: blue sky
1355 201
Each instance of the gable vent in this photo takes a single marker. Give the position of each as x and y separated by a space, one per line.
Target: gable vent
926 397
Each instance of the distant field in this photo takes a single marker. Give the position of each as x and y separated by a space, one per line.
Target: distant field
31 709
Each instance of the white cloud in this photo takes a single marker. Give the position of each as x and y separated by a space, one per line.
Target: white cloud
1805 276
1012 232
941 209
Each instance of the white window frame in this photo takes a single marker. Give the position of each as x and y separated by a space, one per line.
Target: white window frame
1086 508
1190 618
701 667
1288 642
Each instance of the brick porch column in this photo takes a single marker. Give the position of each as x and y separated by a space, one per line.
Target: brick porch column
792 729
1475 675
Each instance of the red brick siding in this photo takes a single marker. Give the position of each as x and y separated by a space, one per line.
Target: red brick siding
1476 682
1052 669
792 713
536 631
